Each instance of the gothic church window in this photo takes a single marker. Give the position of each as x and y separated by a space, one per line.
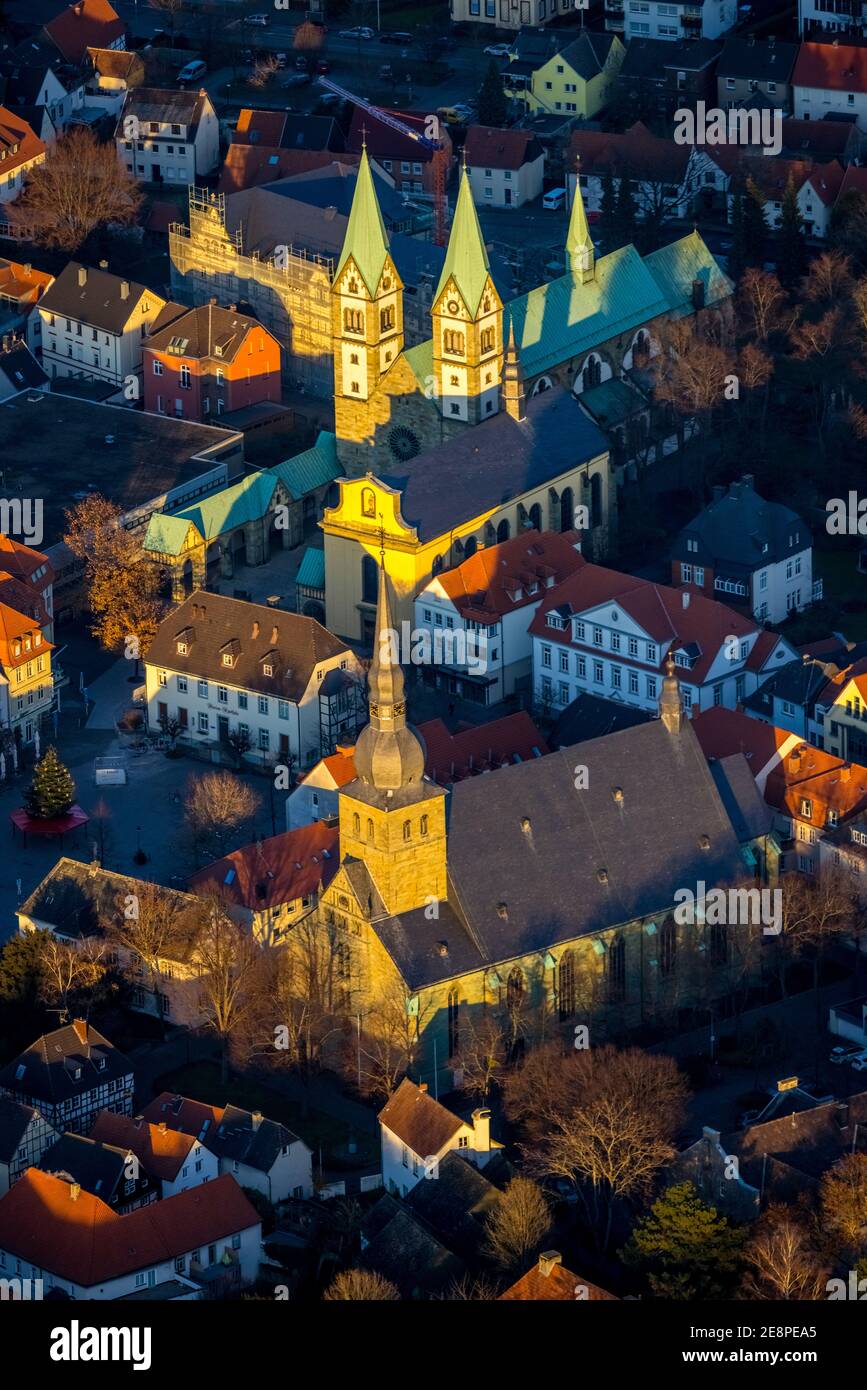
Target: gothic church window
407 828
487 339
369 579
368 502
453 342
353 320
386 318
616 970
567 984
453 1022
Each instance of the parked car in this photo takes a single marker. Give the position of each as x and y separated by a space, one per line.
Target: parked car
193 71
301 64
844 1053
555 198
296 79
323 67
386 72
360 31
396 37
464 112
859 1061
257 21
497 50
281 59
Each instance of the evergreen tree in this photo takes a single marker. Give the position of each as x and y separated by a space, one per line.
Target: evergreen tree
755 226
791 242
493 107
52 791
687 1250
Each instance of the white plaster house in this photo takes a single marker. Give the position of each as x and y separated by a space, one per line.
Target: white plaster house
167 136
94 324
416 1132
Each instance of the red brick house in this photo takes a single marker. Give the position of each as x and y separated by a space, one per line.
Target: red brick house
411 164
208 361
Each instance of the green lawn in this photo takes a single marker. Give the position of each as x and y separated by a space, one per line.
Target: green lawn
201 1081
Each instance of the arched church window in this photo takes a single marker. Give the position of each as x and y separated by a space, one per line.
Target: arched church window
668 947
567 984
488 339
503 530
356 824
471 545
595 500
567 509
616 967
369 579
423 825
641 346
352 287
515 987
453 342
454 1022
407 829
353 320
592 373
437 564
386 318
536 517
454 380
370 830
368 502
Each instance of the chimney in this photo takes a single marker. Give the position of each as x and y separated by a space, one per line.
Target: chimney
274 635
74 1192
345 750
845 772
124 289
255 633
257 1118
712 1135
82 275
80 1026
685 598
28 270
549 1262
698 294
422 1086
482 1135
748 481
103 265
163 1127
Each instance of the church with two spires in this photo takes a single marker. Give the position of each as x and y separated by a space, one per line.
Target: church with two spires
476 434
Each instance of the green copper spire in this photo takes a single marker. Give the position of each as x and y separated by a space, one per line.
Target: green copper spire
365 241
466 258
579 243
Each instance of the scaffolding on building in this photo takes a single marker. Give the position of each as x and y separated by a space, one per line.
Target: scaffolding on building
288 290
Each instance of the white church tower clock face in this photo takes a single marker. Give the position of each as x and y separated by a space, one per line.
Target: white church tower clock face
403 443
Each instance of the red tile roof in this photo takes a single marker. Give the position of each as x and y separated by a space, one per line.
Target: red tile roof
854 180
828 783
658 610
13 627
837 67
557 1284
637 151
499 579
418 1120
248 166
161 1151
84 1241
86 24
722 732
19 144
184 1115
450 757
259 127
23 284
278 870
500 149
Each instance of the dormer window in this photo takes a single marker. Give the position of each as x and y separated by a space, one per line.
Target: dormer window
267 668
183 648
227 658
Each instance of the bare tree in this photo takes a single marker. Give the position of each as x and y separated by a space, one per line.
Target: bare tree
219 809
471 1289
783 1261
230 962
762 304
482 1055
844 1200
388 1042
604 1119
361 1286
66 970
146 925
264 71
81 185
518 1224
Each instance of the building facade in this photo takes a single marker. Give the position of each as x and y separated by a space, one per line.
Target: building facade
94 325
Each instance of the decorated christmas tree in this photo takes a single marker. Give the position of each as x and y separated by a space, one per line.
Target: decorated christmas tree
52 791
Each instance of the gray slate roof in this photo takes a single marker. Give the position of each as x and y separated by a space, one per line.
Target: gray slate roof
757 61
21 369
236 1139
590 716
46 1069
14 1119
749 813
98 302
743 532
214 623
513 891
98 1168
652 57
499 460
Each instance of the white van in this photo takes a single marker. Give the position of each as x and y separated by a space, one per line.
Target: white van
193 71
554 199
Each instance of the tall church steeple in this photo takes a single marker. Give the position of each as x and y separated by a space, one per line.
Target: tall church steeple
580 252
388 754
514 393
467 321
367 299
392 817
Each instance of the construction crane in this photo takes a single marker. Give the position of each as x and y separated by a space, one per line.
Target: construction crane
439 161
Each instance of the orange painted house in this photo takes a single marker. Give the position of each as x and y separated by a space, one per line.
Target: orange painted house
205 362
